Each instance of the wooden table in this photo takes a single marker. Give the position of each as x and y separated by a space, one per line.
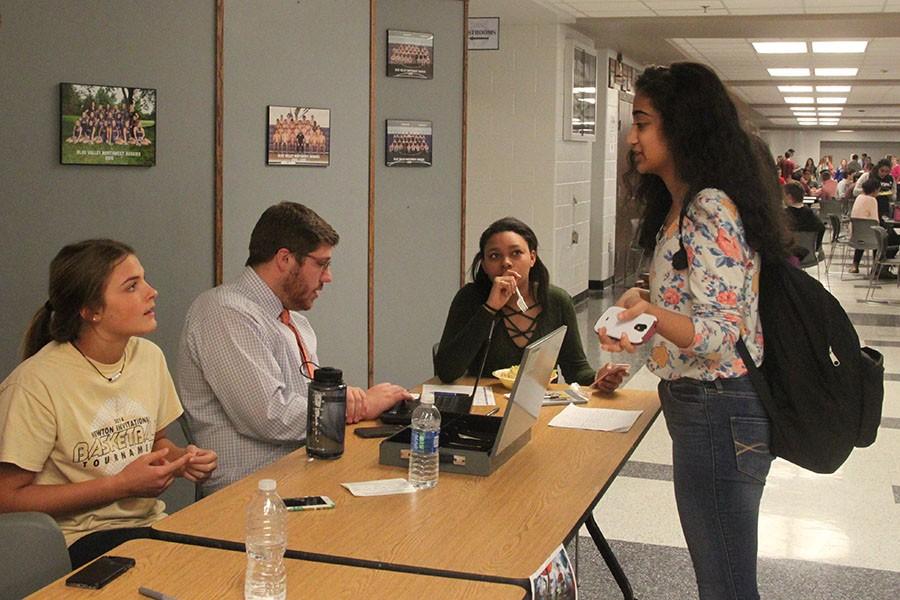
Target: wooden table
496 528
198 573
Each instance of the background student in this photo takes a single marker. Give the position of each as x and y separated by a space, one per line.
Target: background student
508 264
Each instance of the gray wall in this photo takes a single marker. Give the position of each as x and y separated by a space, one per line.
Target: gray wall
273 55
838 150
165 211
417 210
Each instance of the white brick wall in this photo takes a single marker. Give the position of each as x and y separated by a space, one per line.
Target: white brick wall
518 163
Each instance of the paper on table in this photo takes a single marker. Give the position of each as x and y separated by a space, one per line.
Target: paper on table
598 419
380 487
484 396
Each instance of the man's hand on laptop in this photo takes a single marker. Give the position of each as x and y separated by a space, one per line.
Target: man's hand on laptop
383 396
369 404
356 404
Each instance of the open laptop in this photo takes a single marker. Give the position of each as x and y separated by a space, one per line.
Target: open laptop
478 444
527 394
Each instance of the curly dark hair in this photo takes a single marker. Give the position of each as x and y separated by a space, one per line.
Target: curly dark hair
710 149
538 276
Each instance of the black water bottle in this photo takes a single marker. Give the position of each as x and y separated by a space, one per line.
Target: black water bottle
325 417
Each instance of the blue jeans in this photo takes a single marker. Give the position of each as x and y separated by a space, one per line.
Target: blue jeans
720 457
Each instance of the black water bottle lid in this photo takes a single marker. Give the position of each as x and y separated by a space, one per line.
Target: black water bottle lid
328 375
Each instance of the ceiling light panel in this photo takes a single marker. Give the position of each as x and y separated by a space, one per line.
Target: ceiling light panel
839 89
831 100
797 89
838 47
799 99
780 47
788 72
836 72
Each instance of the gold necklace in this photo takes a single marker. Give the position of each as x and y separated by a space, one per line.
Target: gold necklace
109 378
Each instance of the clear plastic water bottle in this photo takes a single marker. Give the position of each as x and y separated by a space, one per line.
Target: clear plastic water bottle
266 542
423 445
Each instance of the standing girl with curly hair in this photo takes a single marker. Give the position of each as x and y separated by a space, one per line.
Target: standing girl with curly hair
711 218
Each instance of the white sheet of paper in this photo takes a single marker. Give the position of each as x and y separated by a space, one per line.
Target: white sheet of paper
484 396
598 419
380 487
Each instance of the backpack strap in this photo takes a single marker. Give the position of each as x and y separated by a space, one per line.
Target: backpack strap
756 376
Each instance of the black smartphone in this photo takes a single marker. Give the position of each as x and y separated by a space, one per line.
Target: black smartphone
308 503
378 431
100 572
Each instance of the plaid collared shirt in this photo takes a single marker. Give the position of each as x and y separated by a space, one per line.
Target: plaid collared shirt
239 377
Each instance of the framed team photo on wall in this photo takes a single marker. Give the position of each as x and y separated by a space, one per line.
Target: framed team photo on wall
107 125
298 136
580 85
410 54
407 143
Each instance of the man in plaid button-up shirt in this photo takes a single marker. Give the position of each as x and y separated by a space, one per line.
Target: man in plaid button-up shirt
241 377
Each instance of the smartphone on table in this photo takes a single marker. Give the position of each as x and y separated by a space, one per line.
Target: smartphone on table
100 572
377 431
309 503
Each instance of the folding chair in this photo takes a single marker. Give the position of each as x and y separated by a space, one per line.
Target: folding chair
32 553
862 237
837 238
881 260
808 239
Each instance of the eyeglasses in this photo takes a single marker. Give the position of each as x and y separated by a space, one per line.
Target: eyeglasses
323 263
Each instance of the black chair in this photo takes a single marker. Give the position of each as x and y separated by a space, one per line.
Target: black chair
881 261
808 240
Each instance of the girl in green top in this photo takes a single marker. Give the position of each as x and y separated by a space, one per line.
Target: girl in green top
507 265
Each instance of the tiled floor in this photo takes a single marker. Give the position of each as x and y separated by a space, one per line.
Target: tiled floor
846 521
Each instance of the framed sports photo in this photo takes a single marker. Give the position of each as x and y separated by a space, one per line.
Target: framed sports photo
407 143
410 54
298 136
580 89
107 125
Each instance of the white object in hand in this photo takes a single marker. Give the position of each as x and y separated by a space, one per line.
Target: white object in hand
638 330
520 301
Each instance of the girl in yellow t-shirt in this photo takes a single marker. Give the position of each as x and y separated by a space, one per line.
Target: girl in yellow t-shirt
83 417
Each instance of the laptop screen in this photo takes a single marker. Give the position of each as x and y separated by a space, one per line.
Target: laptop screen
527 394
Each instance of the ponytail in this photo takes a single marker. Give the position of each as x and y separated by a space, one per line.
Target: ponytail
38 333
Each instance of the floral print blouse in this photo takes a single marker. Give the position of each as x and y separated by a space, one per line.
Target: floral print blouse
719 291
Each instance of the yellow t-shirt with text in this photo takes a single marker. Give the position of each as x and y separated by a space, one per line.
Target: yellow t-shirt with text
64 422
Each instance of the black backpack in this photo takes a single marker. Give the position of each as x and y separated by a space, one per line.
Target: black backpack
822 392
